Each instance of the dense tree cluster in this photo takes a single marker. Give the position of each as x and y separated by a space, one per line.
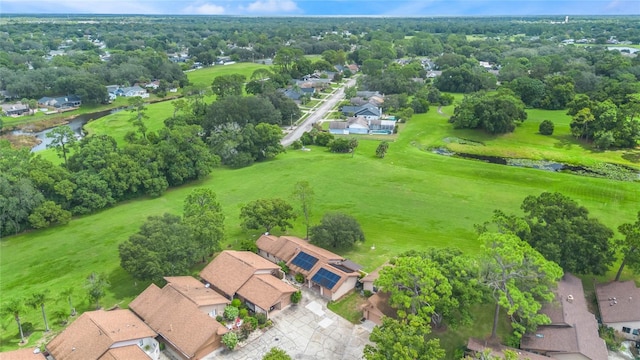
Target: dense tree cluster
495 113
97 175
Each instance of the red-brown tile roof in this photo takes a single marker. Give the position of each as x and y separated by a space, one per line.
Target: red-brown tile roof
265 290
176 319
195 291
22 354
625 307
94 332
131 352
231 269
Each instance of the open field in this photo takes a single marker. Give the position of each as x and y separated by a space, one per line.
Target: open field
206 75
411 199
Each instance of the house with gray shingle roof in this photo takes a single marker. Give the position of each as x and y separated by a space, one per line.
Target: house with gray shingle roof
573 332
619 305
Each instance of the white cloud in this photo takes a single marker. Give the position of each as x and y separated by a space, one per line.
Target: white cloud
204 9
272 6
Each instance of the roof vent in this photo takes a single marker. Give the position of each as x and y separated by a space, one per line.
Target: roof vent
570 298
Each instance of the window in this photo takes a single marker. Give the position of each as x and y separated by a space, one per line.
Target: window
626 330
636 332
213 313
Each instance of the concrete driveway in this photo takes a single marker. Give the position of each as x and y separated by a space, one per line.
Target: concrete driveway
305 331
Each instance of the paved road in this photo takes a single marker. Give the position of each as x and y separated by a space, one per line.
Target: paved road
317 114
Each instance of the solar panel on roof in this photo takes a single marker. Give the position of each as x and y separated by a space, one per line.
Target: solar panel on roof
325 278
304 260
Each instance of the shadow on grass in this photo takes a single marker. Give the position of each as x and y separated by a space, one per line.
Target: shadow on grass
632 156
123 286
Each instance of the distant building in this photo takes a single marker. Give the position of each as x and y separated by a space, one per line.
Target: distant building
14 109
619 305
61 102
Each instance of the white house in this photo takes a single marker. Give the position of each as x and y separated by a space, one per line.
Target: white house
619 304
135 91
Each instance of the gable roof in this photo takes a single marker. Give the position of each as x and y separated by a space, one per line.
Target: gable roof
573 329
94 332
358 121
378 304
231 269
131 352
618 301
22 354
498 350
178 320
195 291
286 247
265 290
338 125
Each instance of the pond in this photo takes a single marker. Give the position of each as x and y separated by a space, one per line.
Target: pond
604 170
75 124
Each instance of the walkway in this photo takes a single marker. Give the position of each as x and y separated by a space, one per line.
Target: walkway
305 331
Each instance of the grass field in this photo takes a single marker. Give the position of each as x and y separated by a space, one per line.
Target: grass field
411 199
205 76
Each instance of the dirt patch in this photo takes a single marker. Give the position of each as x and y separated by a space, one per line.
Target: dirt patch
21 141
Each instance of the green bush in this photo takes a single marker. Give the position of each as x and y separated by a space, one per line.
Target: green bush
296 297
231 312
230 340
613 341
243 313
219 319
546 127
27 329
262 318
253 321
236 303
284 267
296 145
367 293
299 278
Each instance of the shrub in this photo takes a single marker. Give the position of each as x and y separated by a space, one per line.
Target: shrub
219 318
262 318
296 145
246 329
299 278
324 138
367 293
610 338
284 267
230 340
546 127
252 321
236 303
27 329
296 297
231 312
243 313
276 354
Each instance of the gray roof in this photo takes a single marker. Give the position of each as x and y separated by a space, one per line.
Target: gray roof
338 125
618 301
573 329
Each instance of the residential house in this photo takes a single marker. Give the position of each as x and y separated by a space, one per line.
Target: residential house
296 93
135 91
23 354
105 335
249 277
433 74
368 280
360 125
368 111
353 68
475 346
61 102
573 332
329 274
186 330
14 109
377 306
153 85
206 299
619 305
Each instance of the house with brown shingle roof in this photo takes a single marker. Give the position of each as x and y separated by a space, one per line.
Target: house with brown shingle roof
476 346
206 299
105 335
573 332
251 278
187 331
329 274
377 306
23 354
619 305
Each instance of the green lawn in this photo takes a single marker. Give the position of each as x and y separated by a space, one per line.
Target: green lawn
411 199
524 142
206 75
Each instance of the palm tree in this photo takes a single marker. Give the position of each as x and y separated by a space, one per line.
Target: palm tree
15 307
66 294
39 299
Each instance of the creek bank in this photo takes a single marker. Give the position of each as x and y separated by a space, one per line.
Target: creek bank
602 170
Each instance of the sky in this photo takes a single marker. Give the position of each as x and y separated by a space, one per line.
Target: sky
325 7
